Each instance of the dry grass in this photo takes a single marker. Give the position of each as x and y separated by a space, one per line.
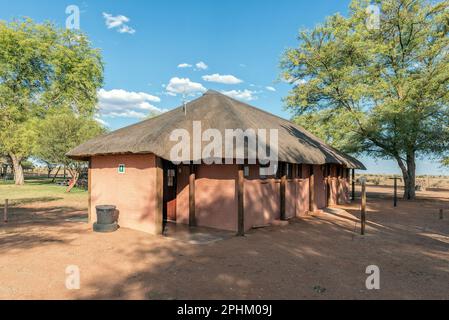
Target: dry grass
40 190
425 182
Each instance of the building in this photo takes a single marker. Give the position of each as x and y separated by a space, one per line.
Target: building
130 168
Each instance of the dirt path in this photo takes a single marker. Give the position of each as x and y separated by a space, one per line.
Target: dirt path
318 257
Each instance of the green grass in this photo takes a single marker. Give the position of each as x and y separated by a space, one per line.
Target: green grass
38 190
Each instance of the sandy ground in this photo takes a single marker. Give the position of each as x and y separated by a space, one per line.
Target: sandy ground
317 257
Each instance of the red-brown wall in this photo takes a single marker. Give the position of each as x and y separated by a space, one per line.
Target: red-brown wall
133 193
262 199
216 200
290 198
345 189
320 187
302 192
216 196
182 198
333 185
340 186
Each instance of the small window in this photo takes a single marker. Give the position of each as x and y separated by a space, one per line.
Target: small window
170 177
299 171
263 172
246 171
289 170
327 170
266 171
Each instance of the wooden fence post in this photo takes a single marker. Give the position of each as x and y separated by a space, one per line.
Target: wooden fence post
159 214
363 208
311 190
283 170
241 206
89 191
192 178
395 200
353 184
5 211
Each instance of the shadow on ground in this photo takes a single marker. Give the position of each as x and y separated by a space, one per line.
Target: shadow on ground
316 257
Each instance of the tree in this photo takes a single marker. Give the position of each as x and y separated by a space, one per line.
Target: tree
61 132
28 165
17 140
445 162
50 166
4 165
380 90
42 69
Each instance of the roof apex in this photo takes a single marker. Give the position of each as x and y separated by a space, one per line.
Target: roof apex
211 92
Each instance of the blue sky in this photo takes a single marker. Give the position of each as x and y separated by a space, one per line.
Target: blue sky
154 50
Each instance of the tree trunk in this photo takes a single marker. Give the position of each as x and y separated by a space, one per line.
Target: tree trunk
410 187
75 175
19 178
409 175
56 174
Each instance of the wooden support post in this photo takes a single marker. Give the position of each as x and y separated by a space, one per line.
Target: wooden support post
353 184
89 192
311 190
282 190
441 214
5 211
241 204
159 215
363 208
339 170
192 177
395 196
328 182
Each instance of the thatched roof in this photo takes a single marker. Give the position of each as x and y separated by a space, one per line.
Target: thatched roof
215 111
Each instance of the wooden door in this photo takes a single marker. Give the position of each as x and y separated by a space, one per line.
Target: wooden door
170 172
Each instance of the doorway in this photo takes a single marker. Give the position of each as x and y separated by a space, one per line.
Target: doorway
170 191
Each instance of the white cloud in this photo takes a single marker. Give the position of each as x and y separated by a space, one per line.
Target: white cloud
117 95
300 81
246 94
225 79
184 65
114 21
129 104
127 114
126 29
183 85
201 65
118 23
101 121
270 89
295 82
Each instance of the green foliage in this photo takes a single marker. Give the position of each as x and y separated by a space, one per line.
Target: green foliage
60 132
382 92
18 137
27 165
445 162
43 69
